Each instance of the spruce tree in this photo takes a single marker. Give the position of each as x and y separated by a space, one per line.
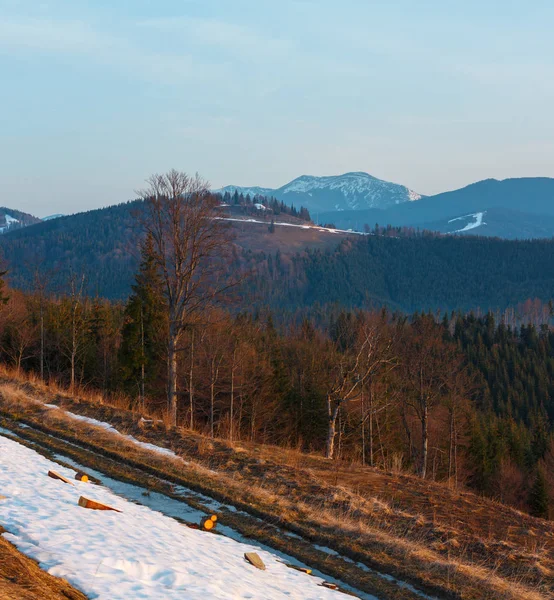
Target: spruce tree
3 296
538 496
144 326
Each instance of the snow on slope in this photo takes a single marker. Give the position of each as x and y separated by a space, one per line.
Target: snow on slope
138 553
357 188
318 227
477 223
9 221
350 191
111 429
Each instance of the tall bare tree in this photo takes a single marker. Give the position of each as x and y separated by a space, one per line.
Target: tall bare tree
355 368
190 245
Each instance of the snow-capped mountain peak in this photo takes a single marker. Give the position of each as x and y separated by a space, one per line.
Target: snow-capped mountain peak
350 191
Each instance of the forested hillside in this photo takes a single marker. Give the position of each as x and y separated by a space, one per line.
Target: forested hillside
299 268
413 272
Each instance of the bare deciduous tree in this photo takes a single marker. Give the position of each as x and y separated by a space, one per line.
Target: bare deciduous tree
355 368
190 244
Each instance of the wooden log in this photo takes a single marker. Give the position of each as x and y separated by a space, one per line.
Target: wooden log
301 569
254 560
3 497
331 586
94 505
81 477
209 523
55 475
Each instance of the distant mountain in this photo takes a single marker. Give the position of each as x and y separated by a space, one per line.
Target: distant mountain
15 219
515 208
50 217
351 191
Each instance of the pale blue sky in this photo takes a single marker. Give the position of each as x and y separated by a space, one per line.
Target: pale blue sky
435 94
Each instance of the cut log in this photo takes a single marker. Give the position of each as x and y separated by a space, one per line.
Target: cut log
2 497
55 475
81 477
330 586
94 505
301 569
254 560
209 523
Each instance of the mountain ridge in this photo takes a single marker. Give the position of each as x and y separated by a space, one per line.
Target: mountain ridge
349 191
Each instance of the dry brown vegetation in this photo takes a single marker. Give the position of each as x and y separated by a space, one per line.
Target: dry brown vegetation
452 543
22 579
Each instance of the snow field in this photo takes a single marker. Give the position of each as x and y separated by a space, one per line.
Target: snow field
138 553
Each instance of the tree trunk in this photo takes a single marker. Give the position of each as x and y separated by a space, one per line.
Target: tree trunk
424 440
191 392
41 341
142 359
363 427
332 431
371 460
172 378
212 400
451 444
408 434
232 407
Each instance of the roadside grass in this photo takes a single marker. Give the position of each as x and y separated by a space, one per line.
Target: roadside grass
21 578
451 543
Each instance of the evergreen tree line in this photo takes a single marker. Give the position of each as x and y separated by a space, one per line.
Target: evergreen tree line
276 207
463 399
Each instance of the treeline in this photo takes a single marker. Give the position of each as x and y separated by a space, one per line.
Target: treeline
461 399
276 207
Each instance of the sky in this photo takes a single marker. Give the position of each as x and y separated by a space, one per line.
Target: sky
97 95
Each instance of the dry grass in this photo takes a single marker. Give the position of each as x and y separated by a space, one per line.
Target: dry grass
22 579
456 542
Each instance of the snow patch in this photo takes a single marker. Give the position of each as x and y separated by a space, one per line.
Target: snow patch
138 553
9 221
477 223
360 190
111 429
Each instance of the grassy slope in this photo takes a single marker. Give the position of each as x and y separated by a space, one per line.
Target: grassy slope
21 578
453 543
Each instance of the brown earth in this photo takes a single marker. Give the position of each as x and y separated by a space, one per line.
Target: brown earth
22 579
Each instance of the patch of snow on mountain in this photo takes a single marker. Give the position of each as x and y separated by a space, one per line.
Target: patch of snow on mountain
260 206
477 223
50 217
360 190
9 221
